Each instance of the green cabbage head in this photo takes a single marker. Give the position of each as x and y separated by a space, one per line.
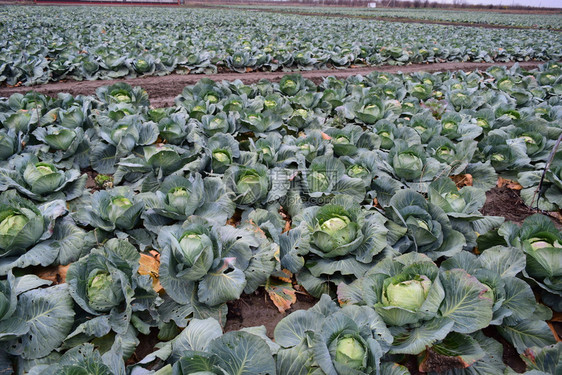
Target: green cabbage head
408 165
117 208
103 291
43 177
19 228
179 198
192 247
351 352
407 294
252 184
335 231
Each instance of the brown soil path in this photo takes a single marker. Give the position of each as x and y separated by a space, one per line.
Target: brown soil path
163 90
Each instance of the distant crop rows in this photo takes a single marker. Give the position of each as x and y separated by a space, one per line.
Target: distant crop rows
539 21
44 44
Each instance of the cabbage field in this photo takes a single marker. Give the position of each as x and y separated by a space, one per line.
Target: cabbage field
552 20
44 44
363 192
384 223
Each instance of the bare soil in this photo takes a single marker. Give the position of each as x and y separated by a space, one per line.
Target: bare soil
502 201
257 309
163 90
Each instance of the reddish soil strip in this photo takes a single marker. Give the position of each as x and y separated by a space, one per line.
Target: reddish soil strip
163 90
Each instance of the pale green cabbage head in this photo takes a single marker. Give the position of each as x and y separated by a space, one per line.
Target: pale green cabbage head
408 294
103 292
351 352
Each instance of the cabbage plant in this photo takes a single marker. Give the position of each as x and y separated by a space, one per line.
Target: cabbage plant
336 341
541 242
204 264
326 177
41 181
420 303
223 150
260 123
332 243
64 144
173 128
429 230
178 198
107 286
118 208
348 140
23 224
410 162
122 92
217 124
250 184
504 154
291 84
463 206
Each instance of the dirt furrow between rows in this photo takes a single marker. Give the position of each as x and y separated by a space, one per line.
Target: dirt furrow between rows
162 90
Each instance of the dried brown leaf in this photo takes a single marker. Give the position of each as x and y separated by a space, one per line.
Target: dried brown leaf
462 180
56 274
510 184
149 265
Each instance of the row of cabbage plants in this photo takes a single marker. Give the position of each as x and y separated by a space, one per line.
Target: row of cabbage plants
45 44
478 17
346 185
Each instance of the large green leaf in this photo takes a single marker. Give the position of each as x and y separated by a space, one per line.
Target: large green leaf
44 254
291 330
197 363
49 314
519 299
465 302
415 340
528 333
296 360
197 336
222 284
506 261
243 353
